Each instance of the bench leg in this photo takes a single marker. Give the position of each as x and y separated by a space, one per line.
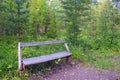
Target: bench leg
24 73
68 59
24 68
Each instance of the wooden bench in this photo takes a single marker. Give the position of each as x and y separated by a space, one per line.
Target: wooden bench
41 59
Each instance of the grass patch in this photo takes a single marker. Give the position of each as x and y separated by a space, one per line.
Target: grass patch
9 58
102 58
77 53
42 50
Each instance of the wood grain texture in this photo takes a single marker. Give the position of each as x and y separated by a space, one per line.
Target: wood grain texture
67 48
19 57
41 43
41 59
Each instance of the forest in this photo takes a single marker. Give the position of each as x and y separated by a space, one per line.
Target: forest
91 29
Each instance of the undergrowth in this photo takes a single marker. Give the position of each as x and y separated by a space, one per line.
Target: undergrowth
9 57
103 58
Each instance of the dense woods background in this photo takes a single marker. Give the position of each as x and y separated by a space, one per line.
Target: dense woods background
91 28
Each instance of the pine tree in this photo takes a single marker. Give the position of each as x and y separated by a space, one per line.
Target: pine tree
74 9
106 21
51 22
38 15
42 18
2 17
17 17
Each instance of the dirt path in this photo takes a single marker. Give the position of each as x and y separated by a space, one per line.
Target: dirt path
78 71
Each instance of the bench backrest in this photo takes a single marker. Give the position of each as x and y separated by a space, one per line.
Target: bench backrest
41 43
21 44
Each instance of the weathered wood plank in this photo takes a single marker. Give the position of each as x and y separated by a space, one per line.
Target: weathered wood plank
35 60
19 57
41 59
41 43
67 48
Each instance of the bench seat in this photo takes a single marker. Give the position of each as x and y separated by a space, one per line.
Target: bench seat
45 58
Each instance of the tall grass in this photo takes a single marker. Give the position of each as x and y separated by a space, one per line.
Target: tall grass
9 56
100 58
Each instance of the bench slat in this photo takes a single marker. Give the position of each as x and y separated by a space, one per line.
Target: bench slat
41 43
41 59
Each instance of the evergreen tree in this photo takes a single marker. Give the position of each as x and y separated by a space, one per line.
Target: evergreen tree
38 15
2 17
74 9
42 18
17 17
52 24
105 23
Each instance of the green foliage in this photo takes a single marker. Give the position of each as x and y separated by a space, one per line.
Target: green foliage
103 58
42 19
94 28
52 32
38 18
105 24
2 17
78 53
42 50
9 57
74 9
16 17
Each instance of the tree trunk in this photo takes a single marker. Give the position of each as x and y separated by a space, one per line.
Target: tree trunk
46 29
38 30
1 31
